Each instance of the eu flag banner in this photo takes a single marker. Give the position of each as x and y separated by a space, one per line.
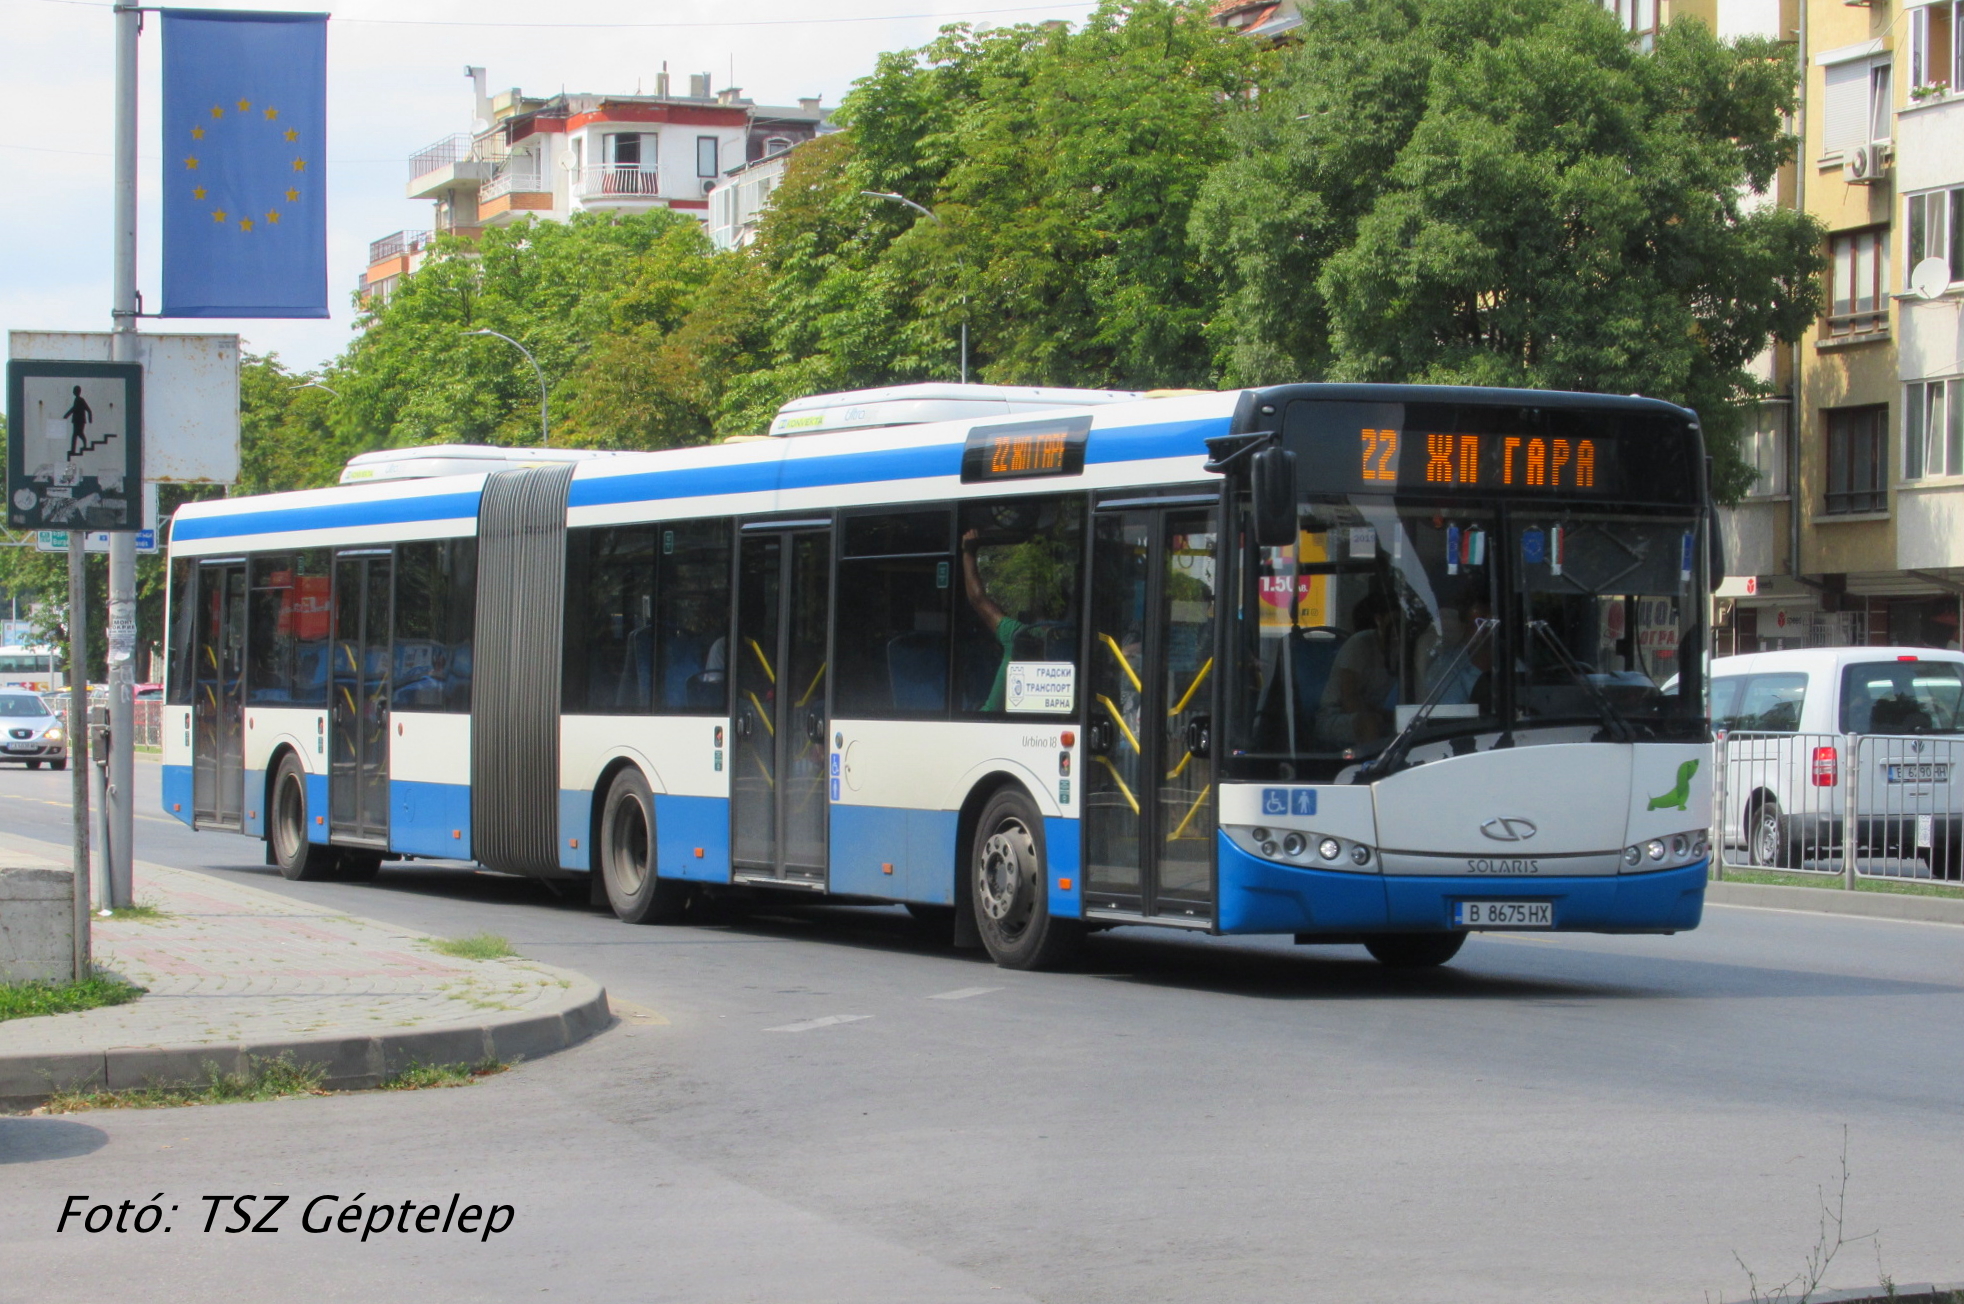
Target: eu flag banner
245 176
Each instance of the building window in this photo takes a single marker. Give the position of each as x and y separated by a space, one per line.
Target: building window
1764 446
776 145
1936 230
1935 59
706 156
1857 301
1856 107
1857 460
1933 429
1638 18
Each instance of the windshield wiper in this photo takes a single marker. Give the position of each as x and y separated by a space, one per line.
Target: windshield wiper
1393 755
1614 720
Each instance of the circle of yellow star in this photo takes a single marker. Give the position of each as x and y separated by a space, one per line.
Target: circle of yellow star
244 105
245 224
199 193
271 114
273 217
291 134
191 163
218 110
219 216
197 133
300 165
293 196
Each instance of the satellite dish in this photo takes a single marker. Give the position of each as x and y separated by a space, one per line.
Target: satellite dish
1929 278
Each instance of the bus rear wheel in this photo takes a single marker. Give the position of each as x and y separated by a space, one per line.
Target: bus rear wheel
1007 884
1414 950
627 856
287 829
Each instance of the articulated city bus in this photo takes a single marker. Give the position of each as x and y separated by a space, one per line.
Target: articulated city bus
1357 663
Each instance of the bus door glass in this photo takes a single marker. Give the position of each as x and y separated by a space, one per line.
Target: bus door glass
779 790
218 701
358 725
1149 821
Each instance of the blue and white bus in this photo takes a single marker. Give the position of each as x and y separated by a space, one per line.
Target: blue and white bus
1357 663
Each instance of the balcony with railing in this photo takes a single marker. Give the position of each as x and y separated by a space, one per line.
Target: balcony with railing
400 244
616 180
458 162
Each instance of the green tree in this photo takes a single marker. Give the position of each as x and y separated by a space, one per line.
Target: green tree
1061 166
1453 191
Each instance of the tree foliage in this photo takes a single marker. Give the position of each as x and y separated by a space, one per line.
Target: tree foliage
1453 191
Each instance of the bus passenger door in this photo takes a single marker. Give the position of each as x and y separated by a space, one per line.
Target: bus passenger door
1149 811
218 700
358 727
779 790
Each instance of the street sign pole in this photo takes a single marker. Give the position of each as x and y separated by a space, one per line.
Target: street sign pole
78 741
118 793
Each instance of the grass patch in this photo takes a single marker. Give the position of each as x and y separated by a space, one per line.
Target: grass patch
419 1077
142 910
1832 883
26 1000
264 1079
478 946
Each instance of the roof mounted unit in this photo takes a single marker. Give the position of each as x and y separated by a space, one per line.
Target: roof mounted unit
913 405
453 459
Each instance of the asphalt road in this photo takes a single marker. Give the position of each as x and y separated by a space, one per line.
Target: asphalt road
824 1104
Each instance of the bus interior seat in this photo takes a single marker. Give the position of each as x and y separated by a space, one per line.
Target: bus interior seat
917 670
1312 654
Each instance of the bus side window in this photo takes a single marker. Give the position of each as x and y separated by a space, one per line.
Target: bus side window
183 624
436 599
693 616
610 614
1020 577
287 617
897 577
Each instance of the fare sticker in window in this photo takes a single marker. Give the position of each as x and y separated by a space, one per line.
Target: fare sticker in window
1044 687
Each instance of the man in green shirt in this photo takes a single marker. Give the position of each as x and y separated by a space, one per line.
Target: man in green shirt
1004 626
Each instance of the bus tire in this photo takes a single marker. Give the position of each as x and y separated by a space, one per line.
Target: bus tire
286 831
636 892
1414 950
1007 879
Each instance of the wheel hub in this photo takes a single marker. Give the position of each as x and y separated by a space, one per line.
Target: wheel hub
627 853
1008 875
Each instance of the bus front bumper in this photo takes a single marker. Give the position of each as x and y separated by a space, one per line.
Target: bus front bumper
1262 896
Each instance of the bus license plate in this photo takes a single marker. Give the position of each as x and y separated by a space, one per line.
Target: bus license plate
1504 914
1926 772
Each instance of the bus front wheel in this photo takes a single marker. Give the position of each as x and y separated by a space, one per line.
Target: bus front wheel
1007 884
292 852
1414 950
627 856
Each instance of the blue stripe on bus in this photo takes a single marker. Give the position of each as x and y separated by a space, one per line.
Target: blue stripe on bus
327 516
1060 847
422 817
178 801
1126 444
684 825
918 844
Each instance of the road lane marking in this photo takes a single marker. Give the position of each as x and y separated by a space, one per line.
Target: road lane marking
963 993
825 1022
639 1015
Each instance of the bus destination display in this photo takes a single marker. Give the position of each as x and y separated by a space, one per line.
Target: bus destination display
1394 459
1025 450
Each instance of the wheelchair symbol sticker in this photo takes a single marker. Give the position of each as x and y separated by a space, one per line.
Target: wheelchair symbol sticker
1288 801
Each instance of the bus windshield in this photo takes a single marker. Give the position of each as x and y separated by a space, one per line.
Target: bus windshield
1466 626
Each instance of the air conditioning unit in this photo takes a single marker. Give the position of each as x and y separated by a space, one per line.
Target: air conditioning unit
1866 165
708 184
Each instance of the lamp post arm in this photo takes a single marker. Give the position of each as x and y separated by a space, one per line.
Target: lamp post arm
545 415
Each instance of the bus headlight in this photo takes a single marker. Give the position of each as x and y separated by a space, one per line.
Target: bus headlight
1329 848
1633 856
1293 844
1654 849
1669 852
1298 847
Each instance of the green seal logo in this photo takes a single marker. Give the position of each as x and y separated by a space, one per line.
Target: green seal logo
1679 797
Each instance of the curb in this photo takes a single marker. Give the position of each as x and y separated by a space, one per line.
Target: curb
349 1063
1837 901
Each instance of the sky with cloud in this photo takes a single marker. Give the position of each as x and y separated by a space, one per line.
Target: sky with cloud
395 83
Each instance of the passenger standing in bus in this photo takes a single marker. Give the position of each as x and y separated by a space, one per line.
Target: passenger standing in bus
1002 625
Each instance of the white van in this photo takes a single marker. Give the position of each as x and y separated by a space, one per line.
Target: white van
1800 724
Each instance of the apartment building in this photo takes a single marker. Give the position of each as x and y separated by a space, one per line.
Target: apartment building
1855 531
548 157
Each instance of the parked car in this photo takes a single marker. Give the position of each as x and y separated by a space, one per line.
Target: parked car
149 693
1801 724
30 733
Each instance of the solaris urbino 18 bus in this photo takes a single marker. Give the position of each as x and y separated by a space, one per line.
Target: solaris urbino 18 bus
1378 664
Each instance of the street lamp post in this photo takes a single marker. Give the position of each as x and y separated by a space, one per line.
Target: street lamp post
545 424
314 384
934 217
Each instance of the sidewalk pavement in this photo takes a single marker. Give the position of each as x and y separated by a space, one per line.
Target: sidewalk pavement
1830 899
231 971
